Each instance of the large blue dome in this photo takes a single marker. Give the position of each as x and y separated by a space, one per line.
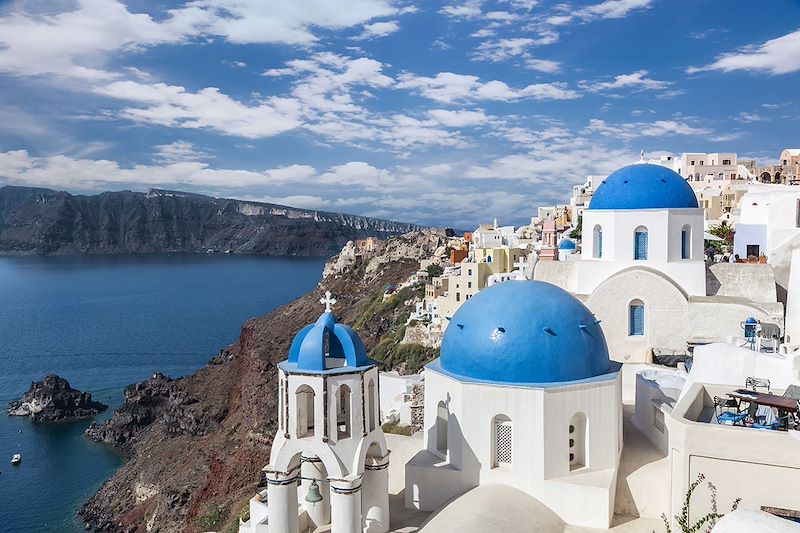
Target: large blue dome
526 332
643 186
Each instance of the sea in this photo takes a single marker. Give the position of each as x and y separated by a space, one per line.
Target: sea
104 323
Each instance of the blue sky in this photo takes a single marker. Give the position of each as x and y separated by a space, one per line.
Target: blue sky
446 113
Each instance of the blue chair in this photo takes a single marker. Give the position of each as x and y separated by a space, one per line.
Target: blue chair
731 419
774 426
727 411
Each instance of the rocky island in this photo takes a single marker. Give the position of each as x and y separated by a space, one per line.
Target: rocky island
196 445
53 400
37 221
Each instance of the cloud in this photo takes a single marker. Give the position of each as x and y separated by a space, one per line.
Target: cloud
776 56
459 119
379 29
179 151
174 106
609 9
76 41
658 128
750 117
449 87
19 167
637 81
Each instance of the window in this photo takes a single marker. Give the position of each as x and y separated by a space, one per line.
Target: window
458 296
503 433
281 417
469 272
597 252
640 243
753 250
578 435
442 415
726 161
488 258
686 242
304 400
636 318
343 425
373 405
469 284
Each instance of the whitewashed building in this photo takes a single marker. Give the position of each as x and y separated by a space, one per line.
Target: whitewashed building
523 395
329 460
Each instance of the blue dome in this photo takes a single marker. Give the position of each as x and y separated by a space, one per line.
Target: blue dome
643 186
524 332
567 244
345 349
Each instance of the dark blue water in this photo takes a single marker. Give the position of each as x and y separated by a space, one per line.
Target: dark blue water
103 323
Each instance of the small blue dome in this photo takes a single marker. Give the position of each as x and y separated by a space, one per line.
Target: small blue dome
524 332
308 350
567 244
643 186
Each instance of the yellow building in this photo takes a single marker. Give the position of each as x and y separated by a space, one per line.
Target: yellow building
473 275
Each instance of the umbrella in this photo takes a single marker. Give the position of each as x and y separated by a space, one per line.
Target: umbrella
707 236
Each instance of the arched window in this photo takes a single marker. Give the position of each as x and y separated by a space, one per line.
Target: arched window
636 318
304 400
281 398
640 243
488 258
343 419
686 242
373 405
578 437
442 414
502 441
597 252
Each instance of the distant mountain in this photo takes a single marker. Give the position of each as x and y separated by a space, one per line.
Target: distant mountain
38 221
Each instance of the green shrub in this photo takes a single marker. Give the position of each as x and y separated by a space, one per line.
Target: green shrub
212 520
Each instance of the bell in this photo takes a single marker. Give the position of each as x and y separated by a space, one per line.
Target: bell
313 495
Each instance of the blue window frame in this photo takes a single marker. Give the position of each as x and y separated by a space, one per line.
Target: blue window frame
599 239
685 244
636 312
640 244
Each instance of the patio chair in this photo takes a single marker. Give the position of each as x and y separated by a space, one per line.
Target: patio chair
767 332
754 383
792 391
727 411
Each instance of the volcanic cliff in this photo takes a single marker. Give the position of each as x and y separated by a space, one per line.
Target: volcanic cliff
196 445
42 222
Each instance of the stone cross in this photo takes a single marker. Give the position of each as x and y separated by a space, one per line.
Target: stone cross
328 301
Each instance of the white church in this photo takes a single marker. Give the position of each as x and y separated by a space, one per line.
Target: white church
524 397
642 271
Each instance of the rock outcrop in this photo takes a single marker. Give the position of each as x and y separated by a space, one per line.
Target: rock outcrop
196 445
53 400
45 222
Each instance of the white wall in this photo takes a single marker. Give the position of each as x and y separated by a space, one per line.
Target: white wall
664 246
541 418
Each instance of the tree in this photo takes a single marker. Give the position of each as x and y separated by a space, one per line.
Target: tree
577 232
724 232
434 270
707 521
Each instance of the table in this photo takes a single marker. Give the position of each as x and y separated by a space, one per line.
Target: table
781 403
771 400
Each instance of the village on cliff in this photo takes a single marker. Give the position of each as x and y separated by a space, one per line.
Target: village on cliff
628 361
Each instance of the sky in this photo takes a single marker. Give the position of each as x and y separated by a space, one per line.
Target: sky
446 113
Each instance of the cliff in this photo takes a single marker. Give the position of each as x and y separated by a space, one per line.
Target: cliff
42 222
53 400
196 445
